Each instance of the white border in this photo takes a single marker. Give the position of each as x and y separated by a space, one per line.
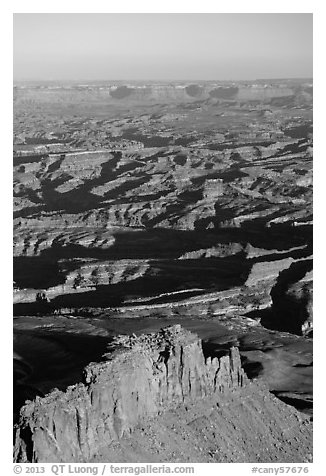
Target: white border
168 6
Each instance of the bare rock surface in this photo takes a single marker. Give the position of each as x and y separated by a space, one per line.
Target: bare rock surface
151 376
118 206
240 426
137 206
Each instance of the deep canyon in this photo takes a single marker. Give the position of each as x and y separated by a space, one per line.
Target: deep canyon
163 236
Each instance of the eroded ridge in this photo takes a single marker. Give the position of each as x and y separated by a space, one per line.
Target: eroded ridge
138 379
142 377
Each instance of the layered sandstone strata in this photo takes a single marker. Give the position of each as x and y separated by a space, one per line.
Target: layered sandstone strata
140 378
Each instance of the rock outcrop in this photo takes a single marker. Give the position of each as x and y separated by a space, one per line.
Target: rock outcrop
142 377
138 379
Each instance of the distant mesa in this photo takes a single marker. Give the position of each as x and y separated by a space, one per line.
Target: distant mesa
278 94
224 92
121 92
308 89
213 188
193 90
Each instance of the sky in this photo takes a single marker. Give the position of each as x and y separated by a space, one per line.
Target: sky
138 46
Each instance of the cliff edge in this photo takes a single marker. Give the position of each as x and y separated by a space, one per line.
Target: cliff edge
151 376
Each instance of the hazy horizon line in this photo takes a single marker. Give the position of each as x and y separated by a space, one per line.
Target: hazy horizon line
163 80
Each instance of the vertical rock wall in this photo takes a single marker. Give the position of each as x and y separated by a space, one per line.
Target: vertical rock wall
141 378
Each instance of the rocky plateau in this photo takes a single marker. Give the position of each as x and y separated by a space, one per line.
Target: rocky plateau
139 206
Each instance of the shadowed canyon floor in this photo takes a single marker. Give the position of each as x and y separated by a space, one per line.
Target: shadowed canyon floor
139 207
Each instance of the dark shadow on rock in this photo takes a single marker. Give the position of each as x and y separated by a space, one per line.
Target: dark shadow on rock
287 313
300 404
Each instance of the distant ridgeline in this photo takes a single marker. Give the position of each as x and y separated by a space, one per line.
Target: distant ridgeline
238 92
